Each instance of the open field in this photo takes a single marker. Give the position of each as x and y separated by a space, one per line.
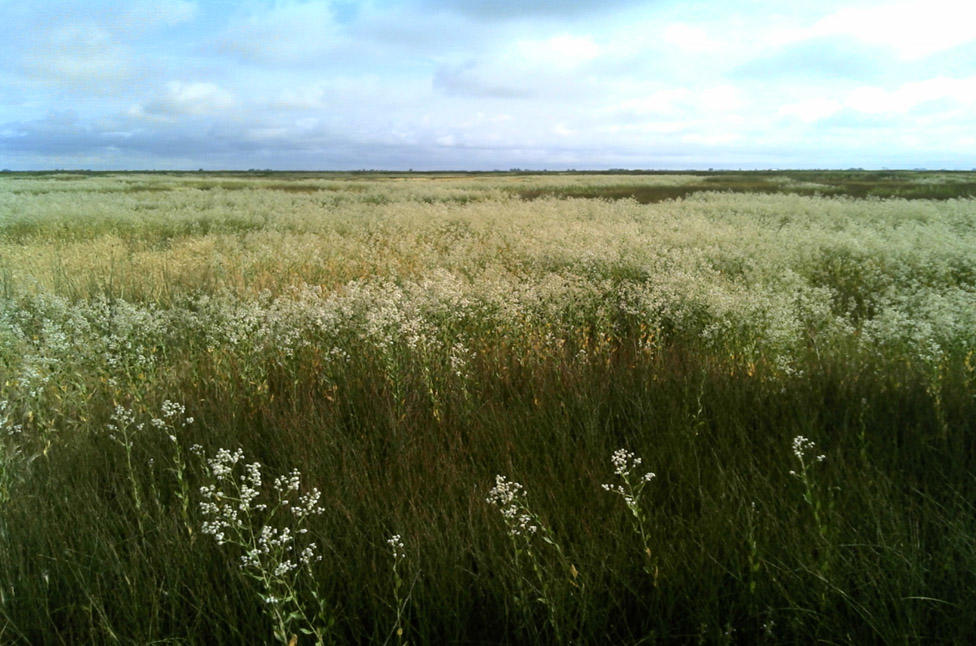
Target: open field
401 340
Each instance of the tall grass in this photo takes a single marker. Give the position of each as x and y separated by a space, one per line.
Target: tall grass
401 343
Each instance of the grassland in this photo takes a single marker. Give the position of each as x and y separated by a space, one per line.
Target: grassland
364 354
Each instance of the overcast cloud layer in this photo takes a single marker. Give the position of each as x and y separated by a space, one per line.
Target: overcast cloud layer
482 85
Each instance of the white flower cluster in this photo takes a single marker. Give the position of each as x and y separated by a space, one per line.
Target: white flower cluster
230 505
273 546
291 482
174 411
625 463
222 465
308 504
459 357
173 415
509 497
5 423
122 424
803 446
396 544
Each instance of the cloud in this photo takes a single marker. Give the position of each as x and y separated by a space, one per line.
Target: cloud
479 84
692 38
911 29
663 102
507 10
181 99
82 55
310 97
851 121
913 96
155 12
904 106
684 102
811 110
527 68
481 80
85 48
562 51
821 58
288 32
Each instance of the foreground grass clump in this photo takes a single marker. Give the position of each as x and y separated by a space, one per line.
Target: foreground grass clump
436 381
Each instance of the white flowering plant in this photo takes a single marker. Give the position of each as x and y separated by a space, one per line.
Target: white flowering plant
631 489
125 428
7 452
269 527
805 452
523 527
401 597
172 421
509 497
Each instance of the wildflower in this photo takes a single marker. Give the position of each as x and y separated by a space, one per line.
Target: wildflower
802 446
624 462
233 507
396 544
631 489
308 555
509 497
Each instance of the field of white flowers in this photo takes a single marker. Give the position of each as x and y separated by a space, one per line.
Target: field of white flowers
401 340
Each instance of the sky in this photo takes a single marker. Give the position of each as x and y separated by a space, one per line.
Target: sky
482 85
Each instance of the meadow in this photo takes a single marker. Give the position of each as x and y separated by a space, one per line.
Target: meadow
457 408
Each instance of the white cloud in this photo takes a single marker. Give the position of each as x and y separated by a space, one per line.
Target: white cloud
722 98
560 51
545 67
677 101
174 12
876 100
712 138
692 38
811 110
664 102
142 14
310 97
913 29
527 69
562 130
181 98
89 48
288 32
386 84
81 54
